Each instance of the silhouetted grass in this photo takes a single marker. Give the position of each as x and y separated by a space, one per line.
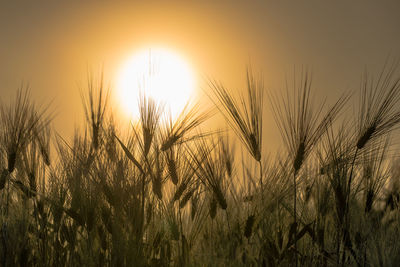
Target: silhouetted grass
167 194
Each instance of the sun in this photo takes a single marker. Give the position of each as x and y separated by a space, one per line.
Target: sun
159 74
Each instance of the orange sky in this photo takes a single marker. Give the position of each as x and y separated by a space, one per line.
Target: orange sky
51 44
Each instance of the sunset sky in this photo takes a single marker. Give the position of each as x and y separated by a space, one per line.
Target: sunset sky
52 44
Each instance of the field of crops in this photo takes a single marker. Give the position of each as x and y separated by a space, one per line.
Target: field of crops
167 193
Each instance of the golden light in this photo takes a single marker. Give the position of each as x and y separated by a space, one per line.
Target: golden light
160 74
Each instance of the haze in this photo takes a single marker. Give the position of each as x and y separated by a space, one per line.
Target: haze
52 45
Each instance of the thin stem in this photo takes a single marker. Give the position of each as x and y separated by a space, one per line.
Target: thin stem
346 211
261 181
8 194
227 220
295 216
182 256
350 178
142 207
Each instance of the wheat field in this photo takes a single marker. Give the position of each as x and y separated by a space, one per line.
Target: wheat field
167 193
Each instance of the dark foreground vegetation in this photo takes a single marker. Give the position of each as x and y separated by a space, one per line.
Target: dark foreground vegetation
168 194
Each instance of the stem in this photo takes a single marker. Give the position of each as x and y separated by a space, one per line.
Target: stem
339 229
227 220
350 178
295 216
140 237
8 194
346 211
261 181
182 256
4 241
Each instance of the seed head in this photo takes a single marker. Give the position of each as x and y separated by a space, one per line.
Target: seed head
12 157
185 199
249 226
298 161
362 141
213 208
3 178
172 171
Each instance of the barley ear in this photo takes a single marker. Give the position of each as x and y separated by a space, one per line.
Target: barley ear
172 171
213 208
249 226
3 178
362 141
185 199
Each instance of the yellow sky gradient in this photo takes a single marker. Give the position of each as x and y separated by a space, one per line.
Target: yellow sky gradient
51 44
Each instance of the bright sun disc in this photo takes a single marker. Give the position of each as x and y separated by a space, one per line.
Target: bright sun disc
159 74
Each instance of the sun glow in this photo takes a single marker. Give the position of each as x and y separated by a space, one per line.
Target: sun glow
159 74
